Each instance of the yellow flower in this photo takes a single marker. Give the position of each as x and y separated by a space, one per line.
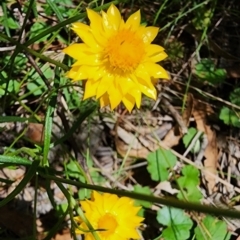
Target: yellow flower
116 58
112 217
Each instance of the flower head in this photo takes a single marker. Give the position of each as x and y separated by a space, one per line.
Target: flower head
112 217
116 58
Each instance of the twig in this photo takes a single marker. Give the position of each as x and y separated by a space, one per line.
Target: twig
193 142
176 115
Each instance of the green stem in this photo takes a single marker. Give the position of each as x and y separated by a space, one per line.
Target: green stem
168 201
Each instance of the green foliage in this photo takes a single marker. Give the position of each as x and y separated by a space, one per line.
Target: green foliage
11 87
187 138
202 18
175 50
25 81
84 193
9 22
72 97
189 183
206 71
229 116
37 28
212 229
178 224
35 83
64 7
144 190
159 164
73 170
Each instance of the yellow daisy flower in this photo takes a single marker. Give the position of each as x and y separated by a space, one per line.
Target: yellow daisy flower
116 58
112 217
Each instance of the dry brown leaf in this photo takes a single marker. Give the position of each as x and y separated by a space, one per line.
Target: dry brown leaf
124 150
172 139
200 112
35 132
139 146
65 235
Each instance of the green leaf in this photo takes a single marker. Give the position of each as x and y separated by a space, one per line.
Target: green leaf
159 164
35 84
10 23
206 71
235 96
84 193
188 184
37 28
187 138
212 229
73 170
177 222
229 117
14 160
202 18
144 190
61 208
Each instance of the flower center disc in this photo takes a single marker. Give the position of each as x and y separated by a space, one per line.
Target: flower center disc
108 223
125 51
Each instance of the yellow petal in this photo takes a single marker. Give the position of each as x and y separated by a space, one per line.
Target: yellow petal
148 91
96 27
87 71
147 33
156 70
88 38
109 200
92 60
132 233
95 19
79 25
153 49
114 17
125 83
104 84
158 57
72 72
115 97
85 206
76 50
133 21
107 26
154 80
137 95
96 73
90 89
142 73
104 100
129 102
80 75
